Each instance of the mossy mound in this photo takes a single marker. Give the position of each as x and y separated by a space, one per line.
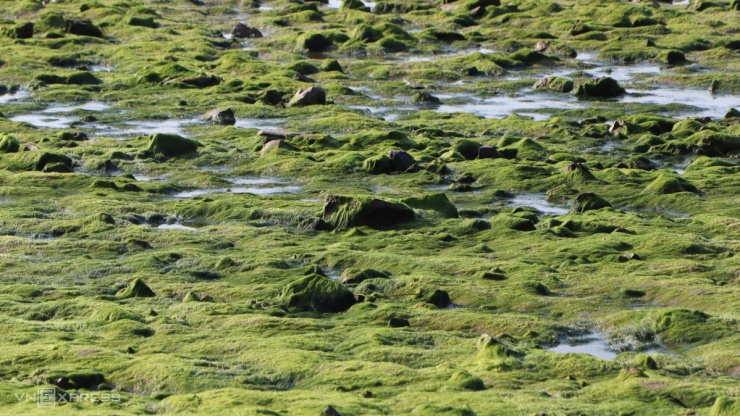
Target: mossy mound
344 212
171 145
9 144
463 380
435 202
508 221
557 84
665 184
137 289
315 293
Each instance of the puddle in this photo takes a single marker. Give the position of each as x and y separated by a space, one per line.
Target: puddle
538 202
259 123
276 186
593 344
169 126
102 68
335 4
89 106
147 178
332 274
707 104
176 227
16 96
55 122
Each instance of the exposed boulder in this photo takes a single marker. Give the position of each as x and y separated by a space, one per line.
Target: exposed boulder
202 81
21 31
489 152
218 116
310 96
557 84
243 31
401 161
82 27
344 212
315 293
273 145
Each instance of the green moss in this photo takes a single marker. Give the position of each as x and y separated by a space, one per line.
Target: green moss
512 222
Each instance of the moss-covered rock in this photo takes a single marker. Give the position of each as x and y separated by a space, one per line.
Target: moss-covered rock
171 145
557 84
588 201
508 221
601 88
344 212
316 293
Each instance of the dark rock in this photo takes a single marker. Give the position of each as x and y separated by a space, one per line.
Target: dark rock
82 27
243 31
311 96
642 163
588 201
436 297
218 116
331 65
271 97
331 411
63 383
401 161
343 212
732 113
202 81
398 323
488 152
22 31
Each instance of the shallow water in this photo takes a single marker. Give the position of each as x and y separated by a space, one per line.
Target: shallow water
593 344
277 188
259 123
15 97
169 126
88 106
538 202
176 227
54 122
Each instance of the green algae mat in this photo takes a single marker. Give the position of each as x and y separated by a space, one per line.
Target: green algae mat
427 207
